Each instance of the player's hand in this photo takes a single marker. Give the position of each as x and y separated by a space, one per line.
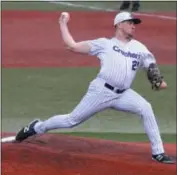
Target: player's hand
160 86
163 85
64 18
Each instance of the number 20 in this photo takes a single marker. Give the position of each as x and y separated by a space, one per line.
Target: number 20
135 65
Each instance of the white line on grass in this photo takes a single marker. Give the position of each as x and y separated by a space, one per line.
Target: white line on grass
111 10
82 6
8 139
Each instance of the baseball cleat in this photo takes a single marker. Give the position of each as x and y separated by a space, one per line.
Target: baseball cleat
135 7
163 158
27 131
125 5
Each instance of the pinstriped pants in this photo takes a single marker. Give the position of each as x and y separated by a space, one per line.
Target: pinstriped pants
98 98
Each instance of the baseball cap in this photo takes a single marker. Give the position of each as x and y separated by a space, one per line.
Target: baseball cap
125 16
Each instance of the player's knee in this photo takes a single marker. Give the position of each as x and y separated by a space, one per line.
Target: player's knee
145 108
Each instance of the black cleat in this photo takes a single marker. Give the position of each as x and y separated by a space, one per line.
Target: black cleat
135 6
125 5
163 158
27 131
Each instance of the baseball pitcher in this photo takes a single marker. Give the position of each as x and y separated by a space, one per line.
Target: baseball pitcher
120 58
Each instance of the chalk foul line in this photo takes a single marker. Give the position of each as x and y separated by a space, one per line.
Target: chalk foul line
111 10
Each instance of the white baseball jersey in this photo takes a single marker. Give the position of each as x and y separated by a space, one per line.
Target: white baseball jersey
119 61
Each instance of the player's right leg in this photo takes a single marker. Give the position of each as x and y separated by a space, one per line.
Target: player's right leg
96 99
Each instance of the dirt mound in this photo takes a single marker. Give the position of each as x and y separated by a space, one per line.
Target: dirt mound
67 155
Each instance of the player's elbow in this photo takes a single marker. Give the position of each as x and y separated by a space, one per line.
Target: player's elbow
73 47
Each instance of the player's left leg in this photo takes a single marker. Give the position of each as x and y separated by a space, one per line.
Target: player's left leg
130 101
95 100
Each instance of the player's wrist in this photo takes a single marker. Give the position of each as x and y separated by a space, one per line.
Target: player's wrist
163 85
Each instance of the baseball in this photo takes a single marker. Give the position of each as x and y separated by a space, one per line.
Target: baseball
65 16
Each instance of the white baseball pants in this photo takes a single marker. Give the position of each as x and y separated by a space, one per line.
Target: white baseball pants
98 98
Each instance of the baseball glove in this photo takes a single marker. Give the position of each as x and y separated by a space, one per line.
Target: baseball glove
154 76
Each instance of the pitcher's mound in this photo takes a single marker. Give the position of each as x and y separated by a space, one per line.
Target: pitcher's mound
54 154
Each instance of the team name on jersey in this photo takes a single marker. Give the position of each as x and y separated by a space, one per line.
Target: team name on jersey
126 54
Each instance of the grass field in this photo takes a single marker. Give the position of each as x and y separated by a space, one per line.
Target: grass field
145 6
25 95
29 93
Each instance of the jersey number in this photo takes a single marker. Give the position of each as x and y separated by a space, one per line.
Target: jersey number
135 65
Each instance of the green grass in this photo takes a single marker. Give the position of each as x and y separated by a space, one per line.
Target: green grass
145 6
32 92
123 137
33 6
